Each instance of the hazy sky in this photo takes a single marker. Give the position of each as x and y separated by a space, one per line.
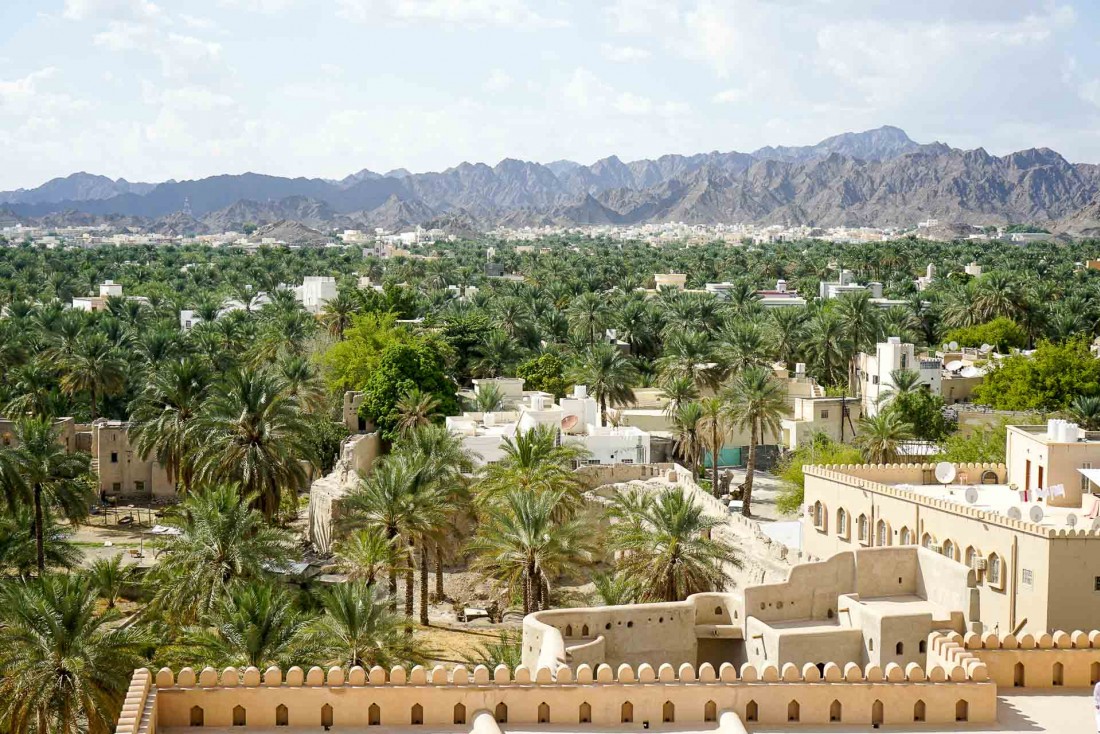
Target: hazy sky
156 89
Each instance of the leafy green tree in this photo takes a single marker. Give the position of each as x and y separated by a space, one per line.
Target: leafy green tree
819 450
222 541
401 368
545 372
1047 380
757 401
667 545
977 447
1002 333
63 666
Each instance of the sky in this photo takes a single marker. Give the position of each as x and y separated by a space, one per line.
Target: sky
155 89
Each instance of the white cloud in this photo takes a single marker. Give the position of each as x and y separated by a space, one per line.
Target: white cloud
465 13
729 96
623 54
498 81
588 93
110 9
642 16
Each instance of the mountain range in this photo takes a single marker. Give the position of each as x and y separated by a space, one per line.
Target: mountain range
877 177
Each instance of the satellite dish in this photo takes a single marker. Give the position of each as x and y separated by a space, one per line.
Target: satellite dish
569 422
945 472
1071 520
954 365
971 495
970 371
953 346
985 348
1096 525
1036 514
1015 514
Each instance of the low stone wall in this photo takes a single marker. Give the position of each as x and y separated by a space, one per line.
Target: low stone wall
633 697
1061 659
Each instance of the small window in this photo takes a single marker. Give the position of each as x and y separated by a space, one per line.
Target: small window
1096 584
114 457
593 462
864 534
116 487
899 649
139 487
842 523
995 570
1026 577
824 415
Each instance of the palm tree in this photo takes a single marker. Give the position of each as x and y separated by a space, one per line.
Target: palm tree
65 668
687 426
358 630
416 408
742 344
252 434
587 315
18 548
302 382
860 327
161 416
880 437
521 545
488 398
33 390
95 368
221 542
253 625
906 382
608 375
678 391
533 462
689 355
1085 411
666 544
495 355
757 401
109 576
615 589
786 333
826 348
713 429
338 312
39 471
366 553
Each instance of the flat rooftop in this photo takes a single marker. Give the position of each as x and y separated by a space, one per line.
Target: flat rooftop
905 604
999 499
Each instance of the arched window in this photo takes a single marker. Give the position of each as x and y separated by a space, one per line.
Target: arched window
416 715
792 711
834 711
819 515
544 713
282 716
899 649
710 711
501 713
918 711
460 714
906 536
949 549
326 715
239 716
883 534
668 713
196 716
994 569
842 523
584 631
861 527
878 713
1058 675
752 711
627 713
971 558
568 630
962 710
585 716
374 715
926 541
922 647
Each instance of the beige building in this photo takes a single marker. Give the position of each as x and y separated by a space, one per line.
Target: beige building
1043 458
836 418
122 472
68 434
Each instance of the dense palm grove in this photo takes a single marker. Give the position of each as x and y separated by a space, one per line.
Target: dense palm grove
241 405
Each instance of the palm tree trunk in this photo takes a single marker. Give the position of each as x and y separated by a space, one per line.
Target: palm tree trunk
393 575
750 468
715 450
409 583
92 391
603 409
39 534
438 573
424 584
544 591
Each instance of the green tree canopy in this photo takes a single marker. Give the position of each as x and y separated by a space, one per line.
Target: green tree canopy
402 367
1002 333
545 372
1047 380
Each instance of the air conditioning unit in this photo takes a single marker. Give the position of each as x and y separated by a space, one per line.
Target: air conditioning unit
978 564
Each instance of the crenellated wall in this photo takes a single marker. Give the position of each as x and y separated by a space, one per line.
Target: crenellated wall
602 697
1061 659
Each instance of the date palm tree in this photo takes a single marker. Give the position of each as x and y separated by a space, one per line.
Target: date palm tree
38 471
162 414
533 462
252 434
687 426
757 401
522 545
367 553
415 409
666 544
356 629
301 381
880 436
94 368
18 548
689 355
609 376
221 541
1085 411
109 576
338 312
713 430
860 326
678 391
826 348
255 624
66 668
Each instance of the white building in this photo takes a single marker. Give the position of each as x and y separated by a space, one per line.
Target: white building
110 288
575 418
316 291
875 370
926 280
189 319
974 270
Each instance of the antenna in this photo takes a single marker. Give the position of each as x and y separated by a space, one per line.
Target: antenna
1036 514
971 495
945 472
1015 514
1071 520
